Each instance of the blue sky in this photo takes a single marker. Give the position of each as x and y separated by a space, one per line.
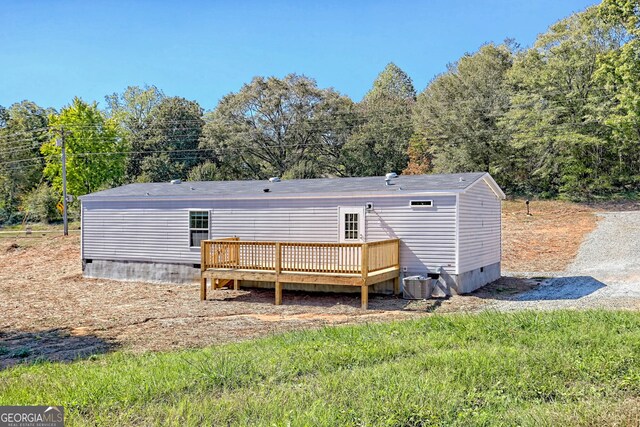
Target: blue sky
53 50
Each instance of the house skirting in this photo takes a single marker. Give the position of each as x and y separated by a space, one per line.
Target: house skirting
464 283
471 280
154 272
139 271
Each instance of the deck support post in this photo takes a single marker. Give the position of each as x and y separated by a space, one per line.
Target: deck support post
396 285
203 268
236 284
203 287
364 296
278 293
364 268
278 268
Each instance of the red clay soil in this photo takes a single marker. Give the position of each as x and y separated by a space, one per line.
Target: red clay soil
548 239
48 310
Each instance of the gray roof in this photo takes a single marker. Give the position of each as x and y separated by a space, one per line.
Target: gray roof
322 186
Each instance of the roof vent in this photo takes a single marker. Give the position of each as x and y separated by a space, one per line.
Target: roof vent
388 177
274 179
147 193
192 188
462 179
176 181
266 190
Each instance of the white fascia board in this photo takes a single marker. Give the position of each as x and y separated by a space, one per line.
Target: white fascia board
271 196
493 185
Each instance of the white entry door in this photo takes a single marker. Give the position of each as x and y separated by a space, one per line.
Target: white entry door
352 225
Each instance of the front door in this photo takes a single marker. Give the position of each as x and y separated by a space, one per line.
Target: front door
352 225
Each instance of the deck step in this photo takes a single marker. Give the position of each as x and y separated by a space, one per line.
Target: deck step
221 283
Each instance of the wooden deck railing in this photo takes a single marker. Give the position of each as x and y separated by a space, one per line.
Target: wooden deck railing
383 254
282 257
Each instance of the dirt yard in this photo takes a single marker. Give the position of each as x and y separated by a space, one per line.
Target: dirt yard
548 239
49 311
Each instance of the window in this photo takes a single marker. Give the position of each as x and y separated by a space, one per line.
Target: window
351 225
198 227
421 203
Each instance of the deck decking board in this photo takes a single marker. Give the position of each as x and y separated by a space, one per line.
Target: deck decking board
225 260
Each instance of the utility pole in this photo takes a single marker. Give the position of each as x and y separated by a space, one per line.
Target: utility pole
60 143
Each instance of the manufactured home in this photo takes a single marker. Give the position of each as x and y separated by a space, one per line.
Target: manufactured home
303 233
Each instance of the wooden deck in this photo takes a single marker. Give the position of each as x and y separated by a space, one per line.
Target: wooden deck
352 264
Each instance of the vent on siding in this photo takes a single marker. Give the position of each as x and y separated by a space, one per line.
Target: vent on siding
421 203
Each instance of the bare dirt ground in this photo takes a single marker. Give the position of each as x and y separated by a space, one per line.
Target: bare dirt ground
604 274
548 239
49 311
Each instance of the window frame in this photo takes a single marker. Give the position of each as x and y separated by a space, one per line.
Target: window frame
342 224
351 226
421 206
191 229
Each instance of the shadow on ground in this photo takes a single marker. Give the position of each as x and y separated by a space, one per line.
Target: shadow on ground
311 299
506 288
563 288
539 288
59 345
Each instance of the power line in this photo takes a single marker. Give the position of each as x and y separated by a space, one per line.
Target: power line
13 151
11 162
328 117
196 150
183 133
25 131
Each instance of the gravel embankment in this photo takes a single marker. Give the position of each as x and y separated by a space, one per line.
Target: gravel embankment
605 273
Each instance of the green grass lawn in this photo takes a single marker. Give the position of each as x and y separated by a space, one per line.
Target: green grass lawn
529 368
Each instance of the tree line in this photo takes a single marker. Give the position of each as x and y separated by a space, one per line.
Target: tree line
558 119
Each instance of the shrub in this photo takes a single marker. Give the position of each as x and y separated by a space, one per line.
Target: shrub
40 204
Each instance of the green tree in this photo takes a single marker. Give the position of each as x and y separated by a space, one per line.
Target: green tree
456 117
23 129
279 127
380 143
94 146
557 118
131 109
40 204
619 72
169 141
206 171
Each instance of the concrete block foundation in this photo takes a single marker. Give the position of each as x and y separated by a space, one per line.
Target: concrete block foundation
448 284
138 271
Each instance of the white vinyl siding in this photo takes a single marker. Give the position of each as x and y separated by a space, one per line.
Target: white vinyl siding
159 230
287 220
427 236
479 223
136 234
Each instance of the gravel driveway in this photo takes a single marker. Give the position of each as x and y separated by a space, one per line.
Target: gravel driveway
605 273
